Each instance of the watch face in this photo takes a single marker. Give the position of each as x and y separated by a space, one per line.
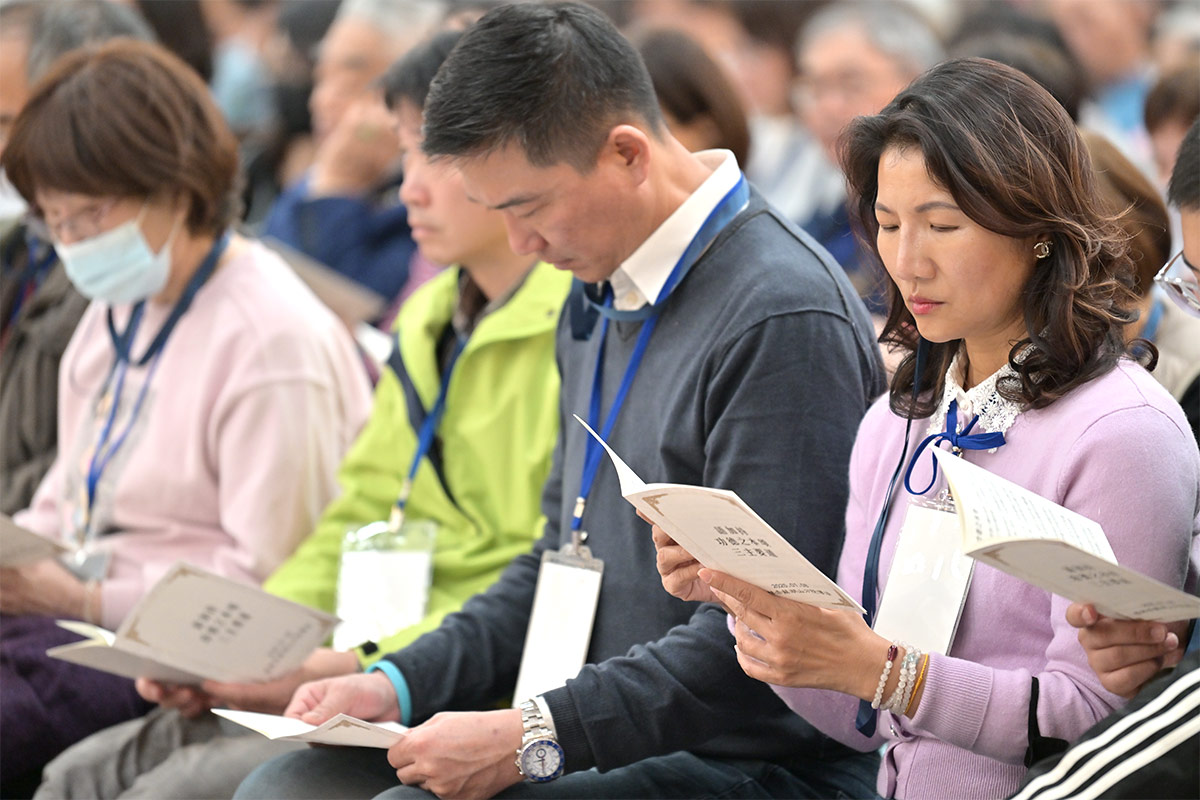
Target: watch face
542 760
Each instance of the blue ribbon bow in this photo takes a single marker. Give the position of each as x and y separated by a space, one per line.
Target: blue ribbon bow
959 441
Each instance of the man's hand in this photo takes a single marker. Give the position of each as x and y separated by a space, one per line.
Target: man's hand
370 697
45 588
466 756
273 697
1126 653
358 153
678 569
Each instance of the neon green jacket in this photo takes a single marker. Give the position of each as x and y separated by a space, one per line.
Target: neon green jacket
497 434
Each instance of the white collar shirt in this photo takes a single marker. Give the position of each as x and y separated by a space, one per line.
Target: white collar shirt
641 277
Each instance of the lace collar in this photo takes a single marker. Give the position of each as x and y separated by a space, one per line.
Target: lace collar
996 413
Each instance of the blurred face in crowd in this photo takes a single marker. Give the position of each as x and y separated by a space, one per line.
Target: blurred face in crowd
959 280
446 225
1164 142
1111 38
14 87
843 76
351 56
586 223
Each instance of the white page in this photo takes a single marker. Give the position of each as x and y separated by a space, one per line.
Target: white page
341 729
628 479
198 624
120 661
22 546
1053 548
993 509
723 533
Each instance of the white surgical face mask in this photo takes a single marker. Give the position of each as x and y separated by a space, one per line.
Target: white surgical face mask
118 266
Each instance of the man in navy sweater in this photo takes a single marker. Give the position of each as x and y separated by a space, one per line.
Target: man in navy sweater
720 346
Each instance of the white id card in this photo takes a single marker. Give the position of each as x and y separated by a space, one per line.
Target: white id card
927 584
560 626
383 581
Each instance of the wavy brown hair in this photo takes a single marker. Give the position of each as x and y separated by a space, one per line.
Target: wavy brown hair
1015 164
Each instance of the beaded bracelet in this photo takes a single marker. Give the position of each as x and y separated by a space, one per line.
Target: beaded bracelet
908 674
917 685
887 670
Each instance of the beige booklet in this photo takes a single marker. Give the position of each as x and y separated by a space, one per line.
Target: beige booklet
193 625
1029 537
338 730
723 533
22 546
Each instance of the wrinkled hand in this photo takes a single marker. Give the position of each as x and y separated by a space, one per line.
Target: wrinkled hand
369 696
466 756
678 570
271 697
190 701
1126 653
45 588
786 643
358 153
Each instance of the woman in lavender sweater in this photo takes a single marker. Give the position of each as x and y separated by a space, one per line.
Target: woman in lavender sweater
976 192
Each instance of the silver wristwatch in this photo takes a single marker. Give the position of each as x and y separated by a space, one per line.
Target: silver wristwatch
540 758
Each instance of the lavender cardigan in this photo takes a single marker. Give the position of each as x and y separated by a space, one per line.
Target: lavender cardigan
1117 450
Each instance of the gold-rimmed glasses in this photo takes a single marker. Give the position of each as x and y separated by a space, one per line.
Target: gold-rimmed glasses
83 224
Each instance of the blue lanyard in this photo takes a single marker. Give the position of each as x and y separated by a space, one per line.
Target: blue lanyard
730 206
122 345
958 441
35 272
123 342
1150 330
425 436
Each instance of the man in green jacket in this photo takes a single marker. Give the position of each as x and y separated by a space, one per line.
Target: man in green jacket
479 484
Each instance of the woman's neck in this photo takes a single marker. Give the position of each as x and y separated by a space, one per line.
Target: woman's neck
187 254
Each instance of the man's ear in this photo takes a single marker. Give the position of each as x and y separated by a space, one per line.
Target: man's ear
628 147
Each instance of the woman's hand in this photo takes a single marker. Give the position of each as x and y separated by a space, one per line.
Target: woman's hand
786 643
45 588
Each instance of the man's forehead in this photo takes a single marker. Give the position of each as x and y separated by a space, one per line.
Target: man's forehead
504 178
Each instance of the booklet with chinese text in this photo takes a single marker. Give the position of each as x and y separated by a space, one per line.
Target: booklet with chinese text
193 625
22 546
1029 537
723 533
338 730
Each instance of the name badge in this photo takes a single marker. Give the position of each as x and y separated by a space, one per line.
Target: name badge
383 581
560 625
927 584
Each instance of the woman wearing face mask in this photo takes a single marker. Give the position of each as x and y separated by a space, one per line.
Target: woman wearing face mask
206 396
978 196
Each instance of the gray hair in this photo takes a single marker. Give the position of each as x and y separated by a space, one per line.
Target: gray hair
61 26
897 30
402 22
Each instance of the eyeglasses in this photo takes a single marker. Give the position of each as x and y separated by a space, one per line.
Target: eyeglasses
83 224
1181 279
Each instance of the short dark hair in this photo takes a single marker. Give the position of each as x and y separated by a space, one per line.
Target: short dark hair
126 119
1015 164
65 25
690 84
1184 189
1175 97
408 79
552 79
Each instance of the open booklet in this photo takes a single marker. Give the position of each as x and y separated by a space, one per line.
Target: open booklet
723 533
1029 537
193 625
22 546
338 730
